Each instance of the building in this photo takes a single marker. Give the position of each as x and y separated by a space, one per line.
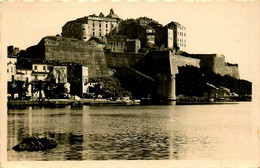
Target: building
133 45
98 42
120 43
145 21
133 30
163 35
85 79
23 74
78 77
11 71
116 43
179 35
40 71
86 27
60 74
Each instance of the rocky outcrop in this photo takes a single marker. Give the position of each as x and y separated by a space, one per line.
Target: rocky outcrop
35 144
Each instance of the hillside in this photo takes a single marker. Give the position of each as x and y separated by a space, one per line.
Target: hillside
192 81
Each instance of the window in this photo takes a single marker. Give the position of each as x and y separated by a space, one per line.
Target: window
35 67
100 30
99 24
12 69
93 33
44 68
112 26
106 25
85 37
184 34
7 70
99 34
83 29
93 24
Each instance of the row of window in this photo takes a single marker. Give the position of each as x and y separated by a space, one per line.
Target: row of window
12 70
115 43
100 30
181 40
181 45
181 33
100 25
94 34
182 28
44 68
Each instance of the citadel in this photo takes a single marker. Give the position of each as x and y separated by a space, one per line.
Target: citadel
140 56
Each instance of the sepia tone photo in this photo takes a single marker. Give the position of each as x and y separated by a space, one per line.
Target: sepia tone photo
130 84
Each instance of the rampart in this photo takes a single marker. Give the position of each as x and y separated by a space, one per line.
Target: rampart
121 59
217 64
72 50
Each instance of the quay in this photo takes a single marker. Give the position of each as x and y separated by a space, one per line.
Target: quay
64 102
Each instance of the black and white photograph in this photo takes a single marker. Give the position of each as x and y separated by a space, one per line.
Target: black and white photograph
156 83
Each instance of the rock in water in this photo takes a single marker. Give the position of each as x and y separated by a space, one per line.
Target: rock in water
35 144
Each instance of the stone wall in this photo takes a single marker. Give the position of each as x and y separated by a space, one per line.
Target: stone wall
232 70
180 61
139 84
120 59
217 64
72 50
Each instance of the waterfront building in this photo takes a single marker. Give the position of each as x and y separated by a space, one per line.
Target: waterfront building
86 27
78 77
23 74
60 74
11 71
85 79
179 35
40 71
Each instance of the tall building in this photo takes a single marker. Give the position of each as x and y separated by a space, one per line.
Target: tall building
86 27
179 35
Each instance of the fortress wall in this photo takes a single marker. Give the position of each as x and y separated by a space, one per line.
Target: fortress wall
118 59
184 61
232 70
216 63
71 50
219 64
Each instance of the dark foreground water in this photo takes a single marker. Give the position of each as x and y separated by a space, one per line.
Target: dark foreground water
135 132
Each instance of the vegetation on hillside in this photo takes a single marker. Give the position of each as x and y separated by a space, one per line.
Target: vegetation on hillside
192 81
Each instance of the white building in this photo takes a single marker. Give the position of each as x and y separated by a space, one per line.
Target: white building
40 71
84 79
179 35
92 25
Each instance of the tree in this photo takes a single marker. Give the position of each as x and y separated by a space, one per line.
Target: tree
19 87
37 86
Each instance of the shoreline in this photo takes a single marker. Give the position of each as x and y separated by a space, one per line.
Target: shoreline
100 102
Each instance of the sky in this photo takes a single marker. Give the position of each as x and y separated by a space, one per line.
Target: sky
231 28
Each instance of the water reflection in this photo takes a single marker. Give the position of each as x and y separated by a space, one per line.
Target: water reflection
131 133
